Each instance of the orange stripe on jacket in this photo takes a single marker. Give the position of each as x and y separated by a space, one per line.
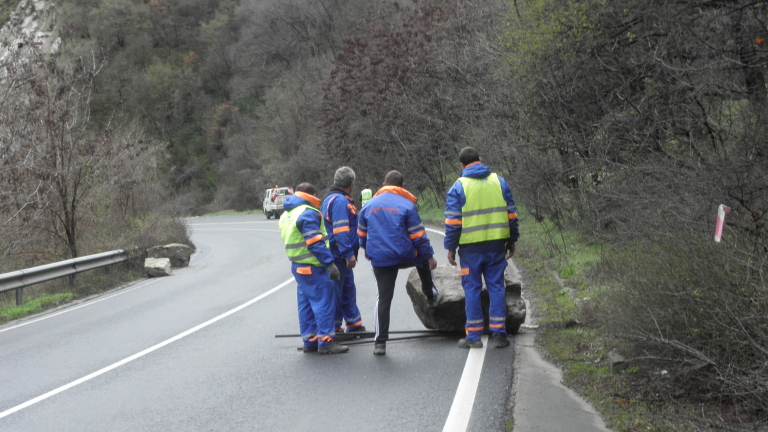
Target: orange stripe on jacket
417 235
496 325
513 216
469 329
341 229
453 221
313 240
362 234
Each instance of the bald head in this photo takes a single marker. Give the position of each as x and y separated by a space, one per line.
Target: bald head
307 188
394 178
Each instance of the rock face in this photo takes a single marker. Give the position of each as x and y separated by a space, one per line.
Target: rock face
36 19
178 253
449 313
156 267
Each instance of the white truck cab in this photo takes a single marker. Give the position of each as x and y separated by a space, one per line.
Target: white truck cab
273 201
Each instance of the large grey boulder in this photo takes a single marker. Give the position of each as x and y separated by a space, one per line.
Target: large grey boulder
449 313
157 267
176 252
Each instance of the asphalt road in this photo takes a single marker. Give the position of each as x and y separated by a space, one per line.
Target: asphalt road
197 352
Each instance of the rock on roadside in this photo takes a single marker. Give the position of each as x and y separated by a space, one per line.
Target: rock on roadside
157 267
178 253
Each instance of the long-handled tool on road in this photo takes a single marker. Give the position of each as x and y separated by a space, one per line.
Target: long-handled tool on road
371 334
415 334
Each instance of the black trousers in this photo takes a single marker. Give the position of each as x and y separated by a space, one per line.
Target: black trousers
385 282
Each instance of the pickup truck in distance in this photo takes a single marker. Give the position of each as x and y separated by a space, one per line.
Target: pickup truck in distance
273 201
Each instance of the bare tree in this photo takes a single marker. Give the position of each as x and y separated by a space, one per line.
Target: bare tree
411 88
638 119
60 172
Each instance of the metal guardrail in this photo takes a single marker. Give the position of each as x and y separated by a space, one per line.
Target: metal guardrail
19 279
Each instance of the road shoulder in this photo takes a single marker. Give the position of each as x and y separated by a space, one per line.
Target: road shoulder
539 400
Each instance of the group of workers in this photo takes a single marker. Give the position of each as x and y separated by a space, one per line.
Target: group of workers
322 239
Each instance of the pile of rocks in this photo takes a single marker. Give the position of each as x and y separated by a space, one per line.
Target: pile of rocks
160 259
449 313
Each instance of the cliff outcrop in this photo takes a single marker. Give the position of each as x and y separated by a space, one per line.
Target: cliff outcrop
35 19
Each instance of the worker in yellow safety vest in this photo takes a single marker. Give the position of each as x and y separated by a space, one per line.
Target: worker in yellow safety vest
365 195
481 221
306 244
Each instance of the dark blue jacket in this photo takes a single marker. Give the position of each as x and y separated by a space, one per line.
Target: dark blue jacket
456 199
390 229
340 216
309 224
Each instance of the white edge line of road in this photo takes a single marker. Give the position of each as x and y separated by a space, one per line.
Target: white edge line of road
232 229
192 224
139 285
435 231
464 401
140 354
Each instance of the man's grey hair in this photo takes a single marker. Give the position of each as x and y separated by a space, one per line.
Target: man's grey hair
344 177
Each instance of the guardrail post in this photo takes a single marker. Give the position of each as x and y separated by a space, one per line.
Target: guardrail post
19 296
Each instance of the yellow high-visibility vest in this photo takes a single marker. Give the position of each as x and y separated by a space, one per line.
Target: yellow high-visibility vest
365 195
295 245
484 217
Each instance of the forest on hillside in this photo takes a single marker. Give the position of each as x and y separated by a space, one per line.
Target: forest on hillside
247 95
629 121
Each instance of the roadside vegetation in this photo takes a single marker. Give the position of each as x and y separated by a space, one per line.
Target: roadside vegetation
70 184
39 304
6 7
566 277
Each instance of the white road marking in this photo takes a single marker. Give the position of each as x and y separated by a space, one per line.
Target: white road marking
464 401
140 285
231 223
231 229
435 231
461 409
140 354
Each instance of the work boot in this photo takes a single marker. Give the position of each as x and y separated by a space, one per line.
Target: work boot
380 349
463 343
500 341
360 329
332 347
309 349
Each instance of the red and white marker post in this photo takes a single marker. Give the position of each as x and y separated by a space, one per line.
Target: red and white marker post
722 210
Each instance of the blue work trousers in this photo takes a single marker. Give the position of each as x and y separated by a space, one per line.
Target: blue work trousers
346 299
315 295
474 267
